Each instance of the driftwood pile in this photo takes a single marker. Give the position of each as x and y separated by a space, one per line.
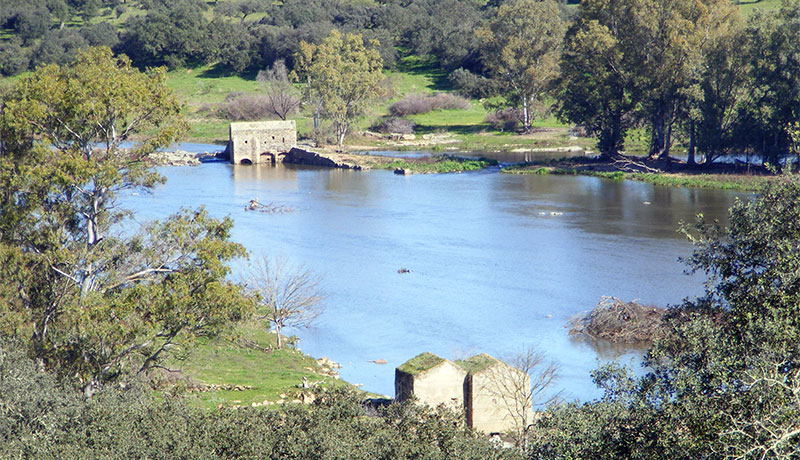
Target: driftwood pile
620 322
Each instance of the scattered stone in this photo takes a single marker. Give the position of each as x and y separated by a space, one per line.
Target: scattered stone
327 362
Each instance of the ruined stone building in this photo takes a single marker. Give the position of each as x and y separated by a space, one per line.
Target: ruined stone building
261 141
433 380
491 393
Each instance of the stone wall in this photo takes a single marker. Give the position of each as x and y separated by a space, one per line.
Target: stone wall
441 384
494 398
491 392
261 142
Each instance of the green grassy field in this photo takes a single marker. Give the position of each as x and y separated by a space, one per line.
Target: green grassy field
270 374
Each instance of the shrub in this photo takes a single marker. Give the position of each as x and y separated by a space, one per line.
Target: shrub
238 107
505 119
472 85
395 125
418 103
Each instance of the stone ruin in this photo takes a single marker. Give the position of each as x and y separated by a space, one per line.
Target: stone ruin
487 388
261 141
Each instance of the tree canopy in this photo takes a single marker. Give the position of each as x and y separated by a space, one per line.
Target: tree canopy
94 298
343 75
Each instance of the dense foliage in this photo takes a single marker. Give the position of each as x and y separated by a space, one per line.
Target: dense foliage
724 381
92 296
43 420
686 71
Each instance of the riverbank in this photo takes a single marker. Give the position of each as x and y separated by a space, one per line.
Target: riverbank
675 173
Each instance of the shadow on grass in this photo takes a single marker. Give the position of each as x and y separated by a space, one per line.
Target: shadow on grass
427 66
455 129
219 71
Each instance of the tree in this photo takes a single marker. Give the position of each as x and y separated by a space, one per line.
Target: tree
722 87
343 75
595 88
521 386
171 33
95 299
282 97
286 296
774 71
521 47
670 37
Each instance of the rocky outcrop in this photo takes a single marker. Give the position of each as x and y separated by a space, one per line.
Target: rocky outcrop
182 158
304 157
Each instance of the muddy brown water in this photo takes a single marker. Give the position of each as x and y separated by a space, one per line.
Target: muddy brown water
496 261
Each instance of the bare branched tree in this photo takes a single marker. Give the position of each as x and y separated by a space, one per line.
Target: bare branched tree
288 296
521 386
283 99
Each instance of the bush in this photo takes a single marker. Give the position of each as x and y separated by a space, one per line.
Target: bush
505 120
395 125
418 103
472 85
245 107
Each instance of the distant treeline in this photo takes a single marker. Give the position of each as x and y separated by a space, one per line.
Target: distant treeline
695 72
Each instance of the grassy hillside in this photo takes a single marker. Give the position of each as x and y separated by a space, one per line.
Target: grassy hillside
268 374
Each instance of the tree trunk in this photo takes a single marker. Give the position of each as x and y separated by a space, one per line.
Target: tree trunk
526 117
690 160
279 343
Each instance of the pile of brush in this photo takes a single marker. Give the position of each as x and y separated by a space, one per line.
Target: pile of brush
620 322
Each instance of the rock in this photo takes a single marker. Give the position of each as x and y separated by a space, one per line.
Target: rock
379 361
402 171
403 270
408 137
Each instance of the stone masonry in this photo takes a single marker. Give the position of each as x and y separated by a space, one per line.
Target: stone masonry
261 141
432 380
488 390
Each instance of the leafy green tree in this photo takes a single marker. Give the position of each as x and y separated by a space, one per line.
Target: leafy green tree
30 24
171 33
97 300
715 100
13 58
596 87
58 46
343 75
774 64
669 37
521 47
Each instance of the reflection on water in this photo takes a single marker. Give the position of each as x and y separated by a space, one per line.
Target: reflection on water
497 261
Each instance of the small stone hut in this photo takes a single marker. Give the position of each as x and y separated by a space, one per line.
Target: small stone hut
495 394
261 141
491 392
432 380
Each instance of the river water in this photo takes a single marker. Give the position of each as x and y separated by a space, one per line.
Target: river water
497 261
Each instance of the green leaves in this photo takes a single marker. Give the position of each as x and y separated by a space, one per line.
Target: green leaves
94 301
521 46
343 76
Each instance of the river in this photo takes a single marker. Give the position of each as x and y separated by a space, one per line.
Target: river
497 261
